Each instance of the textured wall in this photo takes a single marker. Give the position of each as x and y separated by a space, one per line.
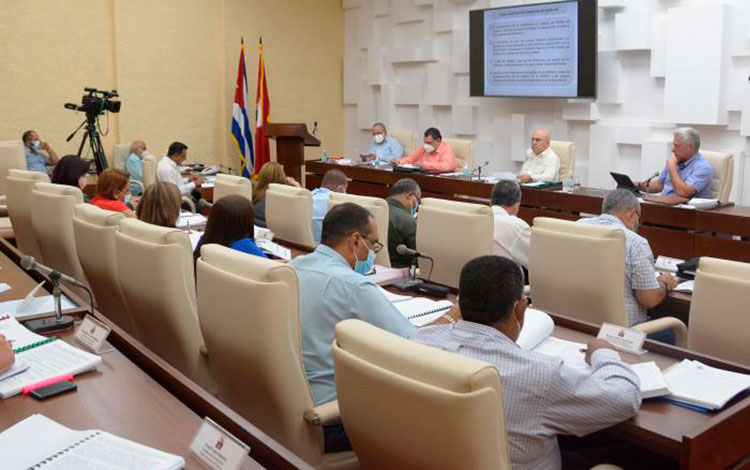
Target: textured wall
174 63
661 64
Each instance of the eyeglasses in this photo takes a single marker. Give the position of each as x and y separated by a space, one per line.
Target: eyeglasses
376 245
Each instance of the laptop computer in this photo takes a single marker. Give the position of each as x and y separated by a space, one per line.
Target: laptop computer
624 182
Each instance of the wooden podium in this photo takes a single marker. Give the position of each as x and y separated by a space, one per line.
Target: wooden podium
291 140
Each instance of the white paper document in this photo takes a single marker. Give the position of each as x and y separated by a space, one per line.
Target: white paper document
697 384
188 219
537 326
33 307
421 311
652 380
275 249
393 298
686 286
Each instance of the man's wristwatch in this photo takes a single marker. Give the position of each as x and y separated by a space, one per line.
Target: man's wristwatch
449 318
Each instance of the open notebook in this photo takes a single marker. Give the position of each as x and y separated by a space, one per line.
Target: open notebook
698 385
38 442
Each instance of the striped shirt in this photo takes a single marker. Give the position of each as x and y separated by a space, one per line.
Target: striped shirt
541 396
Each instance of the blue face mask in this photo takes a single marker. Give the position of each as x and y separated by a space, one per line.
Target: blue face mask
127 198
414 209
364 267
37 144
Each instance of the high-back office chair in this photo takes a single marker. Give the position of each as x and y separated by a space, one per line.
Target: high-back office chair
155 272
230 184
255 351
19 185
723 166
94 231
578 270
452 233
394 394
120 152
149 170
566 152
289 214
719 310
464 150
406 138
52 208
379 209
12 156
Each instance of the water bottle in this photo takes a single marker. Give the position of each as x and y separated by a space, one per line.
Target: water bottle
570 184
465 171
324 156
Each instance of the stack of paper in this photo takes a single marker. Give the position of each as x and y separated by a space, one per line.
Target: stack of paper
31 307
696 384
703 203
535 336
275 249
686 286
652 380
665 263
188 219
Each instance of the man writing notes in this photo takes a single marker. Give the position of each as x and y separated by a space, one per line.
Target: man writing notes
402 226
333 181
383 148
36 160
541 163
643 290
434 155
512 235
687 173
542 396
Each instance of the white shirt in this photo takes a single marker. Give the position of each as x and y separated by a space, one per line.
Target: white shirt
542 167
512 237
167 171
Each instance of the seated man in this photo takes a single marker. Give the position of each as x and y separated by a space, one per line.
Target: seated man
643 290
542 396
434 155
168 170
512 235
134 164
687 174
541 163
333 180
402 227
383 148
35 159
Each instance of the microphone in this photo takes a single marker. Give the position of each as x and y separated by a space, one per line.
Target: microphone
648 181
315 128
404 250
30 264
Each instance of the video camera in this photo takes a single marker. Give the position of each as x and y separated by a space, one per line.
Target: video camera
96 102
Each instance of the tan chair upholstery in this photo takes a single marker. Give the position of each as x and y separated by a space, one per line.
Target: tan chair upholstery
289 214
19 185
255 352
230 184
155 272
578 270
407 139
723 177
452 233
149 170
407 405
464 150
12 156
719 310
379 208
52 207
120 152
94 231
566 152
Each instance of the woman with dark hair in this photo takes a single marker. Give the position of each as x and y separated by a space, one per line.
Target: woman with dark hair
71 171
113 191
231 224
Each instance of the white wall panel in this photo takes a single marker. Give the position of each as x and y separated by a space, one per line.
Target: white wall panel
518 139
602 150
659 47
464 119
654 154
459 51
609 72
633 30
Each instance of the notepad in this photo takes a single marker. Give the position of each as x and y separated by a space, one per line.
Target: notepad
535 336
697 384
653 383
41 443
421 311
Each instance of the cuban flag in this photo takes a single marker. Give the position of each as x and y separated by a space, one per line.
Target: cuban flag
240 122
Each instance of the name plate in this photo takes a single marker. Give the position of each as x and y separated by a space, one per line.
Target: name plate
624 339
218 449
92 333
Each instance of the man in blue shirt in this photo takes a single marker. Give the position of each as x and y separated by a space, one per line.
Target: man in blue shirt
333 181
383 148
687 173
134 165
35 159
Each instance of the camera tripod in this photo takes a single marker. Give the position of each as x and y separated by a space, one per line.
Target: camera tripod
95 142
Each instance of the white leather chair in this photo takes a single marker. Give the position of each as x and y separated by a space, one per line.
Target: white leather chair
566 152
119 153
379 209
407 139
52 207
155 272
94 231
12 156
249 314
723 177
578 270
452 233
464 150
719 310
230 184
149 170
19 185
289 214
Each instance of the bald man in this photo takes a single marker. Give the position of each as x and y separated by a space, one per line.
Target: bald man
134 164
542 163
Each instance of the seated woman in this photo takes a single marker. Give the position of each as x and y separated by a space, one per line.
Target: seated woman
231 224
271 172
160 204
71 171
113 191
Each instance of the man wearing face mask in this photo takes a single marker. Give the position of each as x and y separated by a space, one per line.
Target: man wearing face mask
134 164
36 160
542 396
434 155
643 290
334 181
403 201
383 148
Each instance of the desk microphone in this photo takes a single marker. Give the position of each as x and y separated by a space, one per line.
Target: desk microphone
648 181
404 250
30 264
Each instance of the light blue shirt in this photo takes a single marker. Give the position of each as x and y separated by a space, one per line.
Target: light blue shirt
331 291
320 198
134 166
696 172
36 161
390 149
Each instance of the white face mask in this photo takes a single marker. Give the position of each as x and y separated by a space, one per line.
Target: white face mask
379 138
429 148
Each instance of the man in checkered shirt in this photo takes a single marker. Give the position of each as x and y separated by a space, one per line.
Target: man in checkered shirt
542 396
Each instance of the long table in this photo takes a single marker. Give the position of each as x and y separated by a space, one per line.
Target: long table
680 233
